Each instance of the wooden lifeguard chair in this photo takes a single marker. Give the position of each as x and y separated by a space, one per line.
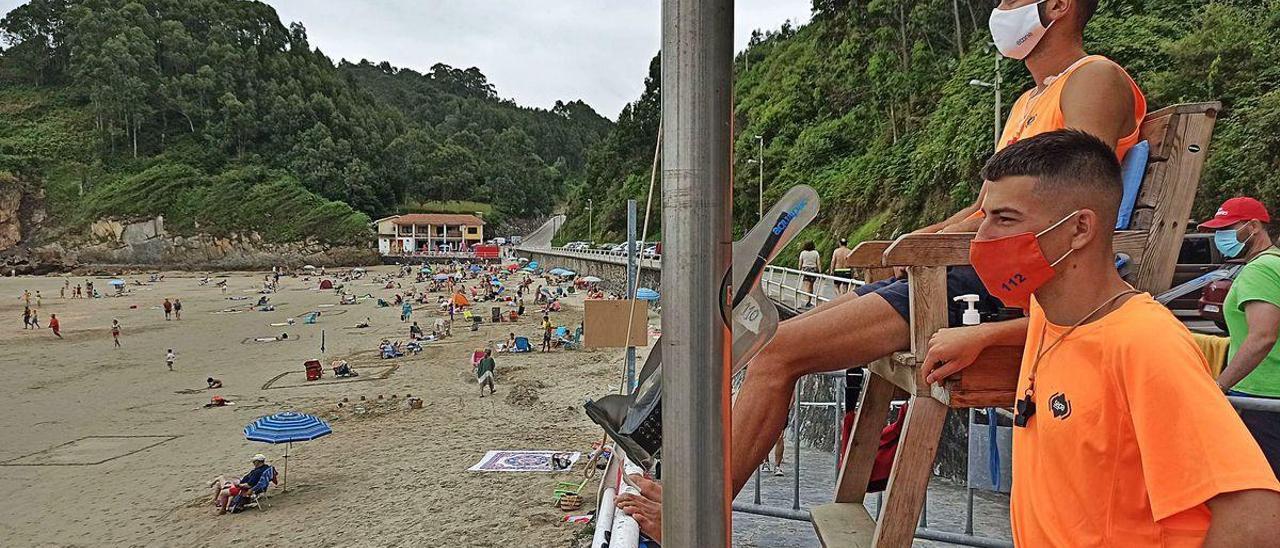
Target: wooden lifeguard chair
1179 143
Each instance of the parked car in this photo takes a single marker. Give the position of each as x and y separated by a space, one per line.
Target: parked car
651 251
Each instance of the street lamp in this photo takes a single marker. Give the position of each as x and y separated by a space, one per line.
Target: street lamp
760 162
995 86
590 212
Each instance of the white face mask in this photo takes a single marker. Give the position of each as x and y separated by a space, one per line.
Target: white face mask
1017 31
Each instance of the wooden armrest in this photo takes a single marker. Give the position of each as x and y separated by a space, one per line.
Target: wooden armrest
868 254
949 249
952 249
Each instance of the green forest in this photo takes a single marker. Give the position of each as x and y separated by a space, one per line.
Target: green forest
217 115
871 104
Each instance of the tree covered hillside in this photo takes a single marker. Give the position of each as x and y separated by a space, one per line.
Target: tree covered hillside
870 104
196 106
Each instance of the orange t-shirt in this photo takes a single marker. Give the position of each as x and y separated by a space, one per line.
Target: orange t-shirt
1035 113
1130 438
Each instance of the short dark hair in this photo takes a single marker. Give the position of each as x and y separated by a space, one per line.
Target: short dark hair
1065 161
1085 10
809 246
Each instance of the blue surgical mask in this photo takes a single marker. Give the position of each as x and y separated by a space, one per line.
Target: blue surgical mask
1228 243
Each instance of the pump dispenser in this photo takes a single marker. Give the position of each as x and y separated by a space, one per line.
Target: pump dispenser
971 315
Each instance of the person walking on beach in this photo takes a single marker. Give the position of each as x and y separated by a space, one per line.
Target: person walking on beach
406 311
484 371
168 309
66 284
26 317
54 325
546 333
88 288
115 331
169 358
26 297
177 309
39 300
35 318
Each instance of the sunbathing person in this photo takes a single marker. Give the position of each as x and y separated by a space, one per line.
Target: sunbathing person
363 324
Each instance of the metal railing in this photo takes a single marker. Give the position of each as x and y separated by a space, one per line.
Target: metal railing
787 286
645 260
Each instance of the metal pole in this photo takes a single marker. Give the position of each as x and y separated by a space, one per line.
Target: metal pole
632 257
590 213
697 86
795 445
760 205
997 88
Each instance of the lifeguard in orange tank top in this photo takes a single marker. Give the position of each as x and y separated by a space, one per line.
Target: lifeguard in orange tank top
1040 111
1037 112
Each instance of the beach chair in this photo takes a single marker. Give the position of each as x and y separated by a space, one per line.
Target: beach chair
574 342
310 317
1177 144
522 345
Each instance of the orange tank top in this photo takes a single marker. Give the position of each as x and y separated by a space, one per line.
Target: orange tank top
1035 113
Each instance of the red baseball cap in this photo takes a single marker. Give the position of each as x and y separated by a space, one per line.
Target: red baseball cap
1235 210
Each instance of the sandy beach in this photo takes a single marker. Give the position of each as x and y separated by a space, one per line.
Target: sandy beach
105 446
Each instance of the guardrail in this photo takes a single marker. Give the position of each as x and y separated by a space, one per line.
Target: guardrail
644 260
796 288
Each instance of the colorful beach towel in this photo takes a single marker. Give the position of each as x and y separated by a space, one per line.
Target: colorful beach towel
520 461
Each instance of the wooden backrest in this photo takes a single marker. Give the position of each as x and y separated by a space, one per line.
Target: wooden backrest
1179 138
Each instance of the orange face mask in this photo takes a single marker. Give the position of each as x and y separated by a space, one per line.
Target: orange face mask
1014 267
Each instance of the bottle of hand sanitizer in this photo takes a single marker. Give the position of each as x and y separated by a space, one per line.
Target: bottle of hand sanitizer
971 315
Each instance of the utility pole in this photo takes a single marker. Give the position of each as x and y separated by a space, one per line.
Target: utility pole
759 161
633 258
590 212
995 86
697 90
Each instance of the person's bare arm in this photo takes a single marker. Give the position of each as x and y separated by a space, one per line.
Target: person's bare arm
951 350
1264 324
1243 518
1097 99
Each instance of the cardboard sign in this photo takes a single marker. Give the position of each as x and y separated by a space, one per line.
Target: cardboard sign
605 324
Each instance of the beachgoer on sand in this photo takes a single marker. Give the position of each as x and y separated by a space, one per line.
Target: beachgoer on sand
213 383
39 300
484 372
54 325
169 358
546 333
168 309
35 319
26 317
115 332
177 309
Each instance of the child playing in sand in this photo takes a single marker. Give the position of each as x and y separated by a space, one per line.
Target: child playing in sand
115 331
213 383
169 358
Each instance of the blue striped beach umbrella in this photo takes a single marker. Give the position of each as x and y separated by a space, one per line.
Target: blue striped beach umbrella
286 427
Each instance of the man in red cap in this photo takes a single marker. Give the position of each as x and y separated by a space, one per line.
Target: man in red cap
1252 312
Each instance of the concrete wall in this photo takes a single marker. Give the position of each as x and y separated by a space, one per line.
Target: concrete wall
613 270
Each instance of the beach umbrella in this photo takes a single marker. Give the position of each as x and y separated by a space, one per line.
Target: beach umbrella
523 260
568 273
646 294
308 267
286 428
116 282
513 266
440 277
591 279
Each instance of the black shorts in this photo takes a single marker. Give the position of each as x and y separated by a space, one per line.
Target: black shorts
961 280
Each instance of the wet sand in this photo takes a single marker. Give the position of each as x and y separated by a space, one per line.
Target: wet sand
105 446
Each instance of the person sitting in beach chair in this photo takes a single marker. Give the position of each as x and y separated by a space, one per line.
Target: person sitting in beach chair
254 483
508 346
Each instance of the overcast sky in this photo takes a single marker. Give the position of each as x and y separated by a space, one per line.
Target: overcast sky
534 51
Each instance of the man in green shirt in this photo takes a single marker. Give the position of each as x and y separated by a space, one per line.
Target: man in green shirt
1252 313
484 371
